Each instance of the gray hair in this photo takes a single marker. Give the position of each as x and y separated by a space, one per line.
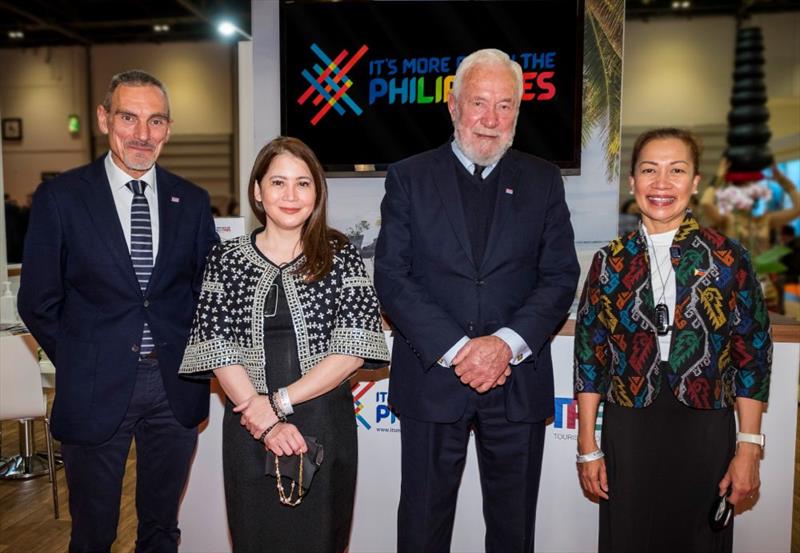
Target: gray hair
133 77
488 56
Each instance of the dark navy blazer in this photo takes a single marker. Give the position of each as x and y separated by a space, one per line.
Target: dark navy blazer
434 293
81 301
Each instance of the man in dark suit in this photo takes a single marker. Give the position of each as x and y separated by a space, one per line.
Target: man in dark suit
112 269
476 267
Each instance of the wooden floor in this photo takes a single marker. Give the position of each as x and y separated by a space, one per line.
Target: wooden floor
26 507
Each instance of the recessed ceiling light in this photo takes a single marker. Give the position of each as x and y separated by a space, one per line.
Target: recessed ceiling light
16 35
160 28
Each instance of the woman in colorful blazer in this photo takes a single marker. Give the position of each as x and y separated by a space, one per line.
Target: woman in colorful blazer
285 316
672 333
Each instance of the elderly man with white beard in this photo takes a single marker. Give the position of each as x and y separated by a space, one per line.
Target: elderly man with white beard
476 268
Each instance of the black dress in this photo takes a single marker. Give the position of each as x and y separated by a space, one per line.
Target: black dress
664 463
258 522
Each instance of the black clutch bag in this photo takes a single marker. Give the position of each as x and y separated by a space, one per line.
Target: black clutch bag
721 513
298 469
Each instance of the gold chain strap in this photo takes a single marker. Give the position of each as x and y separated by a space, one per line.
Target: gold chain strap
287 500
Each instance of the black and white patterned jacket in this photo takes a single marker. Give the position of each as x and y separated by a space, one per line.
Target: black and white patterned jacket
339 314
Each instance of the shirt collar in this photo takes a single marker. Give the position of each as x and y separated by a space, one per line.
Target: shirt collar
118 178
467 163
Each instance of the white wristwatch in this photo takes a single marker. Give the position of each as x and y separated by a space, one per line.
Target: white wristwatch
758 439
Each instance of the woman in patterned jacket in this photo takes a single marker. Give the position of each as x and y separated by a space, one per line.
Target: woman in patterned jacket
672 333
285 316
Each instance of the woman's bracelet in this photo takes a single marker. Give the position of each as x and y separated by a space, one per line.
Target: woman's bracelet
276 407
286 403
589 457
268 430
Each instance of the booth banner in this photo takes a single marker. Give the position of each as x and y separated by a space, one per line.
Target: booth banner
561 509
229 228
566 520
593 195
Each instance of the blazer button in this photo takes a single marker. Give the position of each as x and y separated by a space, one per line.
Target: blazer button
135 348
146 303
480 282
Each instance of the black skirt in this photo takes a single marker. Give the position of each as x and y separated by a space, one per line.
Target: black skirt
258 521
664 464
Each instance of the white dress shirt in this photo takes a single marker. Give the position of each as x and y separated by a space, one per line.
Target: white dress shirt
519 348
123 199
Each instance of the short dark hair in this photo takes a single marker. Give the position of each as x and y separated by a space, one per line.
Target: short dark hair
667 132
133 77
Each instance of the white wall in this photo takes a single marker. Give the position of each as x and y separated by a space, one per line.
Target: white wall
44 85
197 76
678 71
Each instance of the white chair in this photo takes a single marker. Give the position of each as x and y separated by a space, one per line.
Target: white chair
22 399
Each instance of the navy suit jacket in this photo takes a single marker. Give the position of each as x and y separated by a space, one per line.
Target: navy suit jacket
81 301
434 292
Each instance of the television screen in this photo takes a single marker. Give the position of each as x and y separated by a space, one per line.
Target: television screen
366 83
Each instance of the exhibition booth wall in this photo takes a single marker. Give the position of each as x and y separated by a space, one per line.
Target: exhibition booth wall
667 81
566 520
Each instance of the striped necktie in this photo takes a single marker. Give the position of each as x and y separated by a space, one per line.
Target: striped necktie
141 250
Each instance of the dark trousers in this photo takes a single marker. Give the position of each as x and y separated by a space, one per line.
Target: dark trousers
433 458
164 449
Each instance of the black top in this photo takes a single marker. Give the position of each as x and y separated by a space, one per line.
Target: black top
280 343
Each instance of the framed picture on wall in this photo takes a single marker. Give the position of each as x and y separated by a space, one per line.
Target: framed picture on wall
12 128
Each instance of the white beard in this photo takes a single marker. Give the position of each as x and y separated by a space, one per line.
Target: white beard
477 158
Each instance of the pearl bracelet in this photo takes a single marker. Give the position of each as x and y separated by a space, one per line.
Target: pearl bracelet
589 457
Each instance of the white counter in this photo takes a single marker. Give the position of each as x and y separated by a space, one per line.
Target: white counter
566 520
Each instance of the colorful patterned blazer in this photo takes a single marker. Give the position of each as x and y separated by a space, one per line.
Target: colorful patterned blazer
721 346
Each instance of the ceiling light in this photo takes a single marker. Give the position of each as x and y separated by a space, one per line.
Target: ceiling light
676 5
685 4
161 28
16 35
226 28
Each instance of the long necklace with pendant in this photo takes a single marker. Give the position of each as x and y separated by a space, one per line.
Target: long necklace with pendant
662 311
